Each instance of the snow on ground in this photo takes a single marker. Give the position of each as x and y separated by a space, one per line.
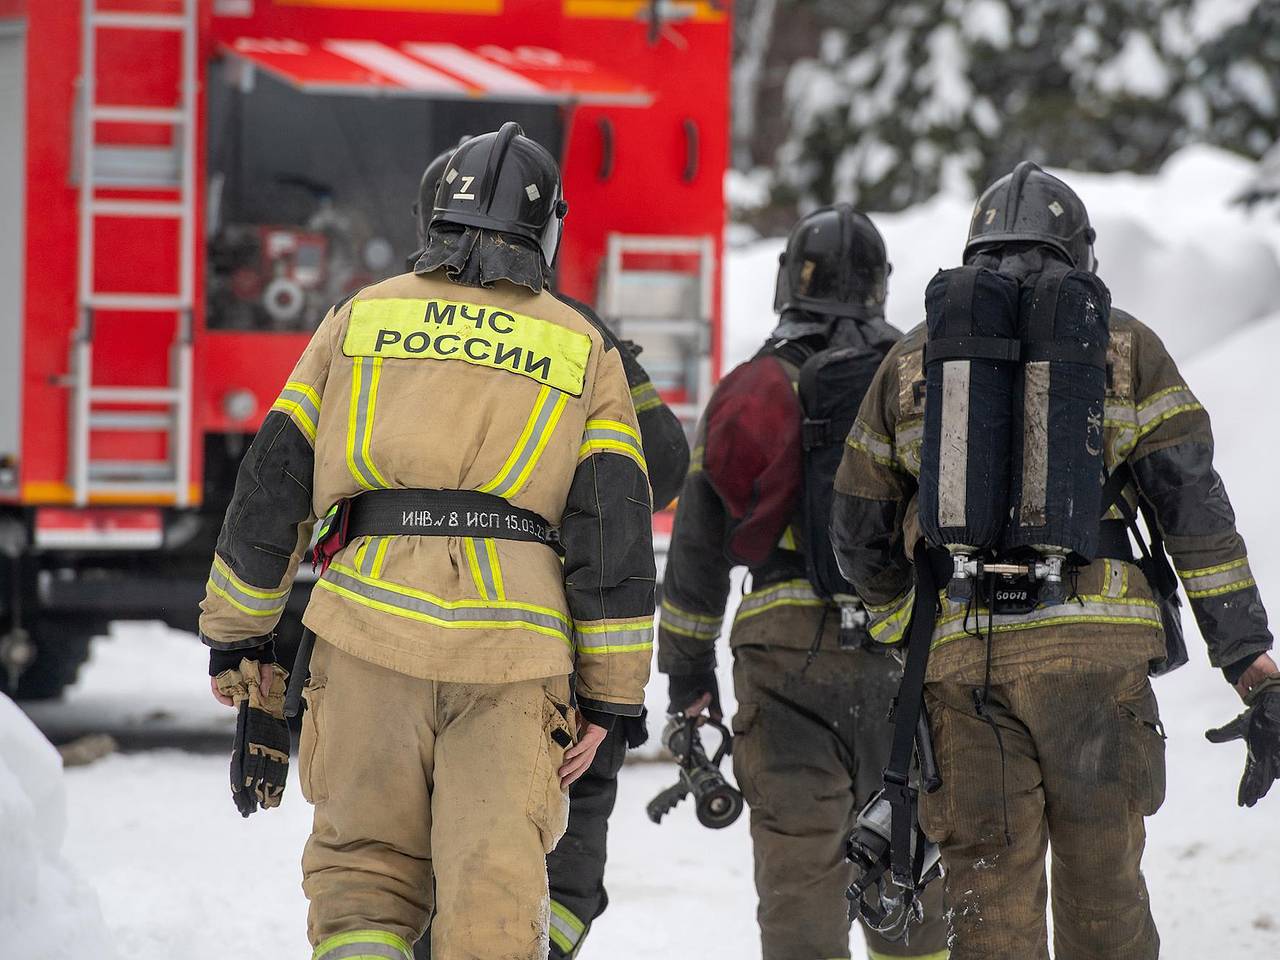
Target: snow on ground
179 874
47 910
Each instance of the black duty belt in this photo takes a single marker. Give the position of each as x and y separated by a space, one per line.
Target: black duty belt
429 513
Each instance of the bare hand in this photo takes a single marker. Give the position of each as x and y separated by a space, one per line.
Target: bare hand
1258 671
703 703
264 682
581 755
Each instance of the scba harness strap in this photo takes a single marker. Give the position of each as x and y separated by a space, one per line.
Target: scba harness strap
429 513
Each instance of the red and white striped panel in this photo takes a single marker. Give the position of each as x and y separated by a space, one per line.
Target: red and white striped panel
108 528
435 69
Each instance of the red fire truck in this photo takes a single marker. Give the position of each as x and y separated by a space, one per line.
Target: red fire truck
187 185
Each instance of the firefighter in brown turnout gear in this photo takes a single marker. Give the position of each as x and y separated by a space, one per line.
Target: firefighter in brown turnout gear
452 429
980 452
811 731
575 868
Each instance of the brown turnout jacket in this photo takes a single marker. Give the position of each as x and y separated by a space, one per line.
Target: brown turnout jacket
1155 424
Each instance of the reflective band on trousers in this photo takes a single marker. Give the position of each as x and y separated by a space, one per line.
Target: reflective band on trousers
936 955
365 374
524 456
687 624
254 601
789 593
363 945
451 614
614 636
612 436
566 930
1217 580
302 404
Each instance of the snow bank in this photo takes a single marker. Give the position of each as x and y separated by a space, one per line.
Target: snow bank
46 911
1171 247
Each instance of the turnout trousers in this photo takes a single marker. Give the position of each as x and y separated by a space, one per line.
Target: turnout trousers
811 743
575 868
1083 764
386 758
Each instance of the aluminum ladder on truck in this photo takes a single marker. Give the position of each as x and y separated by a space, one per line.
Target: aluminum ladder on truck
97 407
659 291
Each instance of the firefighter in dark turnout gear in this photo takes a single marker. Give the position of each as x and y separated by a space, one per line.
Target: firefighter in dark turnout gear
452 427
575 868
1045 725
811 731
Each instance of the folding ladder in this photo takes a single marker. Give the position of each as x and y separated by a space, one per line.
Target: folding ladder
96 407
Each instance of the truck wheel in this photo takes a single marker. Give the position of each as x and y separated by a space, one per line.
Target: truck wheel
62 645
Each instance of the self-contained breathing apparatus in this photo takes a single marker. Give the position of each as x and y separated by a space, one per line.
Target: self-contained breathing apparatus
716 802
1012 488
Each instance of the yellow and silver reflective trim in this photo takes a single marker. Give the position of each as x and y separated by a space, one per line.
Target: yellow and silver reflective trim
565 929
645 396
907 442
1217 580
365 374
888 623
254 601
486 569
401 601
612 436
370 555
530 444
1163 405
958 621
364 945
600 637
789 593
788 541
686 623
1115 578
935 955
879 448
302 404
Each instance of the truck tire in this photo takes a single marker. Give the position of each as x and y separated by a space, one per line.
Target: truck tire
62 645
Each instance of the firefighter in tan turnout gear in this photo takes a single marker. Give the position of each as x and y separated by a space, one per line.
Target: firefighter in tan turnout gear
453 429
1045 724
811 736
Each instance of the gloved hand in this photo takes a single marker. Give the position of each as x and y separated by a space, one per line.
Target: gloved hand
685 690
1259 728
260 756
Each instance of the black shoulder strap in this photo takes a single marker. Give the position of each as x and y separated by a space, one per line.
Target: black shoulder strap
906 716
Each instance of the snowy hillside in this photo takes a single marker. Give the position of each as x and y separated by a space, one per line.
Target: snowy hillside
173 863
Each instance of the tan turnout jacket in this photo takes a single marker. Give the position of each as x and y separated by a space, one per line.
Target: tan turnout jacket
417 382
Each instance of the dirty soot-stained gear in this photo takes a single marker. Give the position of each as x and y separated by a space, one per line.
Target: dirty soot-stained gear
1107 634
811 733
421 383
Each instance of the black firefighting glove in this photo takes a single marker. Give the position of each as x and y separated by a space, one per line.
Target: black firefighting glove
260 755
1259 728
684 689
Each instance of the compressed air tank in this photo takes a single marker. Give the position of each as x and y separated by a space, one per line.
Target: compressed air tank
1056 492
971 366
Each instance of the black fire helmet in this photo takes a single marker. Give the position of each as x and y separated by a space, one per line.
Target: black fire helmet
834 264
424 206
1032 205
506 182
